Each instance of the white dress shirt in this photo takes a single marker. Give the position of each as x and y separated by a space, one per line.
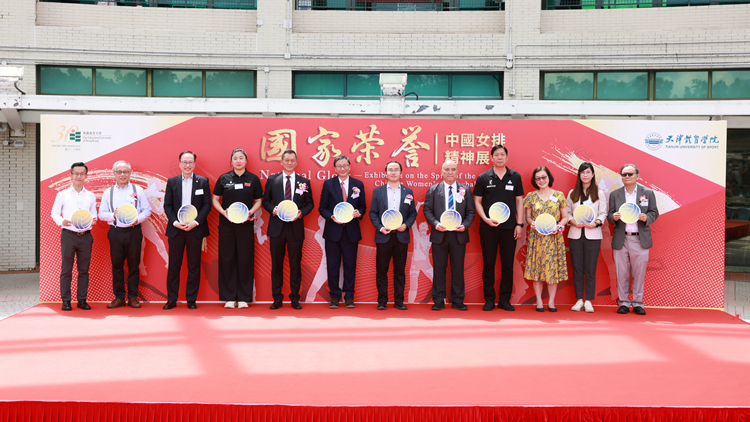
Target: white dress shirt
455 194
124 196
187 189
69 201
394 197
632 198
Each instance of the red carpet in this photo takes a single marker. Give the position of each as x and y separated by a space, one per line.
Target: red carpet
362 364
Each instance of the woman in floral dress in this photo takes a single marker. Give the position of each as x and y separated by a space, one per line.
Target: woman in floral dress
545 254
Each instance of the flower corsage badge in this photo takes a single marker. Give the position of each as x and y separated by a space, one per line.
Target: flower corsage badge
460 194
133 197
408 199
644 201
301 188
643 198
355 192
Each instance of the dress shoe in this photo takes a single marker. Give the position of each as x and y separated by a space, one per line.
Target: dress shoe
192 305
400 306
117 303
459 306
380 307
488 306
170 305
588 307
276 304
638 310
623 310
230 304
83 305
540 309
552 309
334 303
134 303
578 306
296 305
349 303
506 306
242 305
438 306
66 306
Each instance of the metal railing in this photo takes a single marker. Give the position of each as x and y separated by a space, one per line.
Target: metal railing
625 4
202 4
401 5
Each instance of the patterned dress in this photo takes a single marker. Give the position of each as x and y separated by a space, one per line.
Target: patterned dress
545 255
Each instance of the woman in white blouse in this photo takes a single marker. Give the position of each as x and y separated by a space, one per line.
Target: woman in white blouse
585 239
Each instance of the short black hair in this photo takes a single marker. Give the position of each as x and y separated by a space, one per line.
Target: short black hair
629 165
497 147
341 157
236 150
195 157
544 169
288 151
79 164
401 169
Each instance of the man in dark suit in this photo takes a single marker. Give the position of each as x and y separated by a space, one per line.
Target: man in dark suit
392 244
342 238
631 241
187 188
287 236
449 195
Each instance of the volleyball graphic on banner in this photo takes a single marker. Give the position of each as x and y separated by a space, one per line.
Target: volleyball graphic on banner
629 212
187 213
344 212
126 215
451 219
392 219
499 212
584 214
287 210
237 213
81 220
545 224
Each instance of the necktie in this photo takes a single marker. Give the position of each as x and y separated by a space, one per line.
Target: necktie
451 205
343 191
288 189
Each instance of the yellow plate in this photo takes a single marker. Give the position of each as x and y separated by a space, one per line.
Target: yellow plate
81 220
499 212
126 215
545 224
187 213
450 219
237 213
344 212
392 219
287 210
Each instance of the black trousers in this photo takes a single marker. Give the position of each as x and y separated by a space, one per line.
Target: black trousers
449 248
494 240
393 249
584 254
236 262
125 245
279 247
73 246
184 241
336 251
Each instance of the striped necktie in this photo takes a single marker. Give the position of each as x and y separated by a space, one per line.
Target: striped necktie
288 189
451 205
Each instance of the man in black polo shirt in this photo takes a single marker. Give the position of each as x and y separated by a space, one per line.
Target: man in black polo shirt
498 184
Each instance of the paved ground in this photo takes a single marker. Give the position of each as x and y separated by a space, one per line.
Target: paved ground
19 292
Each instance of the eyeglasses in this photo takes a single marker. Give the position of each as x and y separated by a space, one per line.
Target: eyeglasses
537 178
342 166
78 174
122 172
587 173
187 163
628 174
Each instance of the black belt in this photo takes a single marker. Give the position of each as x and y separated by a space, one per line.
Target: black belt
126 228
631 233
79 233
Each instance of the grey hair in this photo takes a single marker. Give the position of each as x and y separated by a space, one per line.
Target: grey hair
630 165
117 163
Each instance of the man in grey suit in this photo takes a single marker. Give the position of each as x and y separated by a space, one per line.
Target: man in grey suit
448 195
631 241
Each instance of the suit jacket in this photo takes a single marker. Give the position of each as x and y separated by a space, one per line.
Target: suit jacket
379 205
274 194
330 196
173 202
434 206
616 199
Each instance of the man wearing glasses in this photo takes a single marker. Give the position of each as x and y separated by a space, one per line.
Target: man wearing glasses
341 239
74 242
631 241
124 237
187 188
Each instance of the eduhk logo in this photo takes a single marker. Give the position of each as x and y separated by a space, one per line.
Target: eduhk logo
75 135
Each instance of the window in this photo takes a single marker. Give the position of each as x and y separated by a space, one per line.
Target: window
57 80
428 86
625 4
401 5
646 85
